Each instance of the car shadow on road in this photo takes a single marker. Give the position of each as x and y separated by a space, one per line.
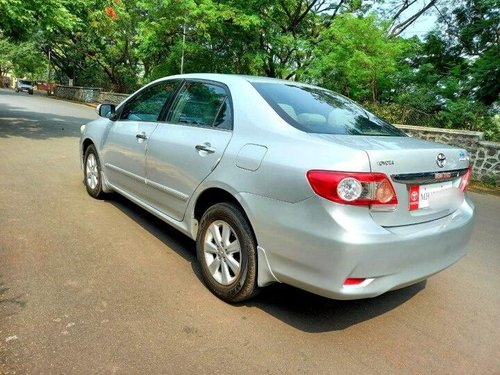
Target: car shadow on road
312 313
302 310
170 236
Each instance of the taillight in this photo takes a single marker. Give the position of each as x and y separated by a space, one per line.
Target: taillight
355 188
465 179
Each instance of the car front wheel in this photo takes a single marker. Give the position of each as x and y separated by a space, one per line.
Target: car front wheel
226 251
92 173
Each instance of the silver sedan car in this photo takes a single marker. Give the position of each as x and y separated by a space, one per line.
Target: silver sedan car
279 181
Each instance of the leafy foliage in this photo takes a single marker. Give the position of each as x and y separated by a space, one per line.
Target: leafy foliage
356 58
22 59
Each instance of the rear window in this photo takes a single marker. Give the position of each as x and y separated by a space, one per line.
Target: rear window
316 110
25 82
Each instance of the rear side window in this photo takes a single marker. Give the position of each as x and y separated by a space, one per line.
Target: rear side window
148 104
202 104
316 110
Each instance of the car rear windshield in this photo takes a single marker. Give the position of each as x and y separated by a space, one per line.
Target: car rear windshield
25 82
316 110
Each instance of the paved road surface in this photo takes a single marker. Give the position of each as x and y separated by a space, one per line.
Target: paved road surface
91 286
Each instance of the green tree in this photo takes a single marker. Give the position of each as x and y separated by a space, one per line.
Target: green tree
475 32
28 61
20 19
87 39
454 74
5 57
356 58
273 38
22 59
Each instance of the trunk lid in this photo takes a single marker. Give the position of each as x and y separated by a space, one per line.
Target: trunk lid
426 175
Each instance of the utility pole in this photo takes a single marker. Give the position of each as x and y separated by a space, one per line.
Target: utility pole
183 46
48 75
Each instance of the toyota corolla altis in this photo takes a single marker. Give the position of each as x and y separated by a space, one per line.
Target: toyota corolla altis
279 181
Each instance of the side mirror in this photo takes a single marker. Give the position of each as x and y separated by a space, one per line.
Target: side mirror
106 110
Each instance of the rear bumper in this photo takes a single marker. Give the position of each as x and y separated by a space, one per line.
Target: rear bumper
316 244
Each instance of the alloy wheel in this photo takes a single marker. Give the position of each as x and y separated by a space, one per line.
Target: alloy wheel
222 252
92 172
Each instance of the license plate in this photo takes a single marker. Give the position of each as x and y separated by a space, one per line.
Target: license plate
420 194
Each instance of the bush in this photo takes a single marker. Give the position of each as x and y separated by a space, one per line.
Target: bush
457 114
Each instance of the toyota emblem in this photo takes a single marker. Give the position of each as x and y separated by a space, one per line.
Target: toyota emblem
441 160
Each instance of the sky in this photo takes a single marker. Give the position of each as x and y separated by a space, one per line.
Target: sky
423 24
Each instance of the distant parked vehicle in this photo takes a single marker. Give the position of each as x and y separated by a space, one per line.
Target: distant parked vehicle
278 181
24 85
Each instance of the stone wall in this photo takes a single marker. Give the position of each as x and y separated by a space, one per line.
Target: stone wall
111 97
81 94
88 94
484 155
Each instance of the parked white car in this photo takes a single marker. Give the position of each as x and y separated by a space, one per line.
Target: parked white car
24 85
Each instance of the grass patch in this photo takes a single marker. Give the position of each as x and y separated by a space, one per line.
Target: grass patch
484 188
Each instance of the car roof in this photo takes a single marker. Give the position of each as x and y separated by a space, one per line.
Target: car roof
234 78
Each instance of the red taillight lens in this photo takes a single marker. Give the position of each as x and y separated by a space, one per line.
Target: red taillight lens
356 188
465 179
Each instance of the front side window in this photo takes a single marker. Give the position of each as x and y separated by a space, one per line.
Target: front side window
202 104
148 104
316 110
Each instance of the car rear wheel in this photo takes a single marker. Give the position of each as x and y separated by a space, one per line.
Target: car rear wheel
226 251
92 173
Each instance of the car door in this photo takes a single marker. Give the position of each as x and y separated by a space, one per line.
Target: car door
183 150
126 142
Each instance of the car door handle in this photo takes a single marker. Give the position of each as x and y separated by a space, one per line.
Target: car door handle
205 147
141 135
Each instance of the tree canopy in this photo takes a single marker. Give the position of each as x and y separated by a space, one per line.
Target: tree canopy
448 78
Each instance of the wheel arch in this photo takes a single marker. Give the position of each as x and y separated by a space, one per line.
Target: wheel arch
214 195
85 145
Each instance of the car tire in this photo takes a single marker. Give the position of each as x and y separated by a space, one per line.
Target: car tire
92 173
30 92
226 251
17 90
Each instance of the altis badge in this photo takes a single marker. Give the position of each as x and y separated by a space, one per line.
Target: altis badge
462 156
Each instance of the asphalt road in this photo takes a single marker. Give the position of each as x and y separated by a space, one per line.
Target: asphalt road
91 287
